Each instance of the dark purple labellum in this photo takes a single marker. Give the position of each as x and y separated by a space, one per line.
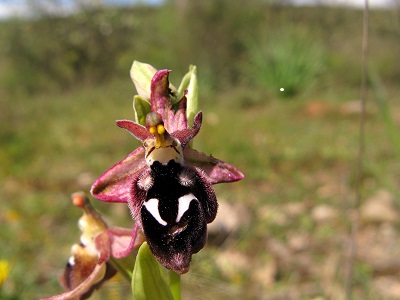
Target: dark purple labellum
177 205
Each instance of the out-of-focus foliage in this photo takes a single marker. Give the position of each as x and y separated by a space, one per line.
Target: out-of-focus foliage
65 80
222 37
56 51
286 62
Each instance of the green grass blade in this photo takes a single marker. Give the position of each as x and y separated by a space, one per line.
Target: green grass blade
384 109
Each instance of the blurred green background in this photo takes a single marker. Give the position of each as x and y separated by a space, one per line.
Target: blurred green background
283 232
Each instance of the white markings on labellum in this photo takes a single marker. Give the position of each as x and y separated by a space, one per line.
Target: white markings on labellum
183 205
152 207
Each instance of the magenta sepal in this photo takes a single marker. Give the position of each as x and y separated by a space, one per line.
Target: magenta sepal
215 170
113 185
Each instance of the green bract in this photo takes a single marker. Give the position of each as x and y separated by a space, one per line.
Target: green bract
142 75
148 279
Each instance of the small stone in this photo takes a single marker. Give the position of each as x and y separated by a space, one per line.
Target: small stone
299 241
379 247
273 214
386 287
324 213
351 108
379 208
230 218
264 274
295 209
232 263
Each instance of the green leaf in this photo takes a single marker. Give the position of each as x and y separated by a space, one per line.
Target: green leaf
124 266
141 107
148 281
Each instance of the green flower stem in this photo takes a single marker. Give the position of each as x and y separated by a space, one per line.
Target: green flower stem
121 269
175 285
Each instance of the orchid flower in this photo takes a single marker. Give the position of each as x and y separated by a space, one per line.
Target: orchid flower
167 185
165 182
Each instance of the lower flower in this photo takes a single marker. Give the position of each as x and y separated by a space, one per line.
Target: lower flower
89 266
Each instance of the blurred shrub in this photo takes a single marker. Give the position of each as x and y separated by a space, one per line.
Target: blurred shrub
55 51
229 41
212 35
285 59
96 43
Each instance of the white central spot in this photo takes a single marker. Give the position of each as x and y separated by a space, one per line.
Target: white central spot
183 205
152 207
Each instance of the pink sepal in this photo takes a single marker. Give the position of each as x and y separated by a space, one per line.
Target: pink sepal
216 170
187 134
114 184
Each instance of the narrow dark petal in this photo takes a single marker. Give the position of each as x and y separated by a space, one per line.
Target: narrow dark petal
177 121
216 170
138 131
186 135
114 184
174 117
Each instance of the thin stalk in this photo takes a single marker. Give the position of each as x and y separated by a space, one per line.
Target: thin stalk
360 157
175 285
382 101
123 271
